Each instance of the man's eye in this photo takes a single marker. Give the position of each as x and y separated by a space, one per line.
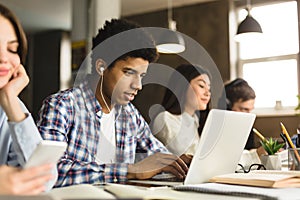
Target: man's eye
129 72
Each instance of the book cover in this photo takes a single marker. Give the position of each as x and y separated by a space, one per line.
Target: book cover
261 178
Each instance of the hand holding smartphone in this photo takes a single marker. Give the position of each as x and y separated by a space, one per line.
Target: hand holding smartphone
47 152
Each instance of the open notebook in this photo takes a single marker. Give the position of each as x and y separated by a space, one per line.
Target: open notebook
222 141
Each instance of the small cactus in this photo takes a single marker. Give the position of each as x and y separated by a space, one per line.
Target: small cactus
271 145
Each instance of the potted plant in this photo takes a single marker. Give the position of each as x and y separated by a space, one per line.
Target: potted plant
271 161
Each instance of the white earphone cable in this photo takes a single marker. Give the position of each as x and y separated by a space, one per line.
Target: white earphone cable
102 94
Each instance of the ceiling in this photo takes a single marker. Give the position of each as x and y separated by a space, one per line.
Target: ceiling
130 7
38 15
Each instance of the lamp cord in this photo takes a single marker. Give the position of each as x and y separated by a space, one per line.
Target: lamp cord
170 12
248 6
171 22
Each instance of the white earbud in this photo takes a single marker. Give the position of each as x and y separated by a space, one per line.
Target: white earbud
100 66
101 69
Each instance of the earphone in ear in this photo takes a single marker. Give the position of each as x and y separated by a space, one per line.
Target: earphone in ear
101 69
100 66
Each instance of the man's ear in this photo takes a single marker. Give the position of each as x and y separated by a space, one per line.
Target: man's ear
100 66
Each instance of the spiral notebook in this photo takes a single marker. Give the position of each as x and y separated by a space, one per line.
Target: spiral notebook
232 190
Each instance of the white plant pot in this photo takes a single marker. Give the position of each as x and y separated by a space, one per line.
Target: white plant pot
271 162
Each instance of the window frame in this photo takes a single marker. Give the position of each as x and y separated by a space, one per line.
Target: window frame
238 72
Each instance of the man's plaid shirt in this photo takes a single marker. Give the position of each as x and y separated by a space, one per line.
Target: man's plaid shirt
74 116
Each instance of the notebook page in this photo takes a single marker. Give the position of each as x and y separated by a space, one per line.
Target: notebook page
244 191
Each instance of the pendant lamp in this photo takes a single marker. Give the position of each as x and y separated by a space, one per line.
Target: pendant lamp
249 28
170 41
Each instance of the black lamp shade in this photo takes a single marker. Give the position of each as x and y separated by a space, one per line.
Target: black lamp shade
249 25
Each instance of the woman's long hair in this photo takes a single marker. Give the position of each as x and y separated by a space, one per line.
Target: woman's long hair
175 95
22 40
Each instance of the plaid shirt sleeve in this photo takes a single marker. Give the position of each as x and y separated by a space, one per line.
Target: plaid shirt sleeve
76 172
56 120
147 143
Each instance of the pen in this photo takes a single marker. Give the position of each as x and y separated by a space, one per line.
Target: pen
298 139
284 139
259 134
290 141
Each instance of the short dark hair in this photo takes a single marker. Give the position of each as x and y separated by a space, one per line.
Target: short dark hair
238 90
11 17
116 26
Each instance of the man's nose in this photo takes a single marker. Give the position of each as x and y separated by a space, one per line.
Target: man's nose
137 83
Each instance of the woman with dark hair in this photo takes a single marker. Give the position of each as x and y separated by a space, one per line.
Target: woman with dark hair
18 133
185 106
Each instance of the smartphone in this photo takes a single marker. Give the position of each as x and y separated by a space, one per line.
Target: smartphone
47 151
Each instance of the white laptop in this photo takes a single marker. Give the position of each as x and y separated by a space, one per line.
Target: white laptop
222 142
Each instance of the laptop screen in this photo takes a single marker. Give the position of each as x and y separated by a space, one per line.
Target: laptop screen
222 141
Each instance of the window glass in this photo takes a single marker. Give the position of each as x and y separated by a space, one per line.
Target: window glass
273 81
270 63
280 31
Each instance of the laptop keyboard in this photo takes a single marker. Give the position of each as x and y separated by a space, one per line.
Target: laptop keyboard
165 177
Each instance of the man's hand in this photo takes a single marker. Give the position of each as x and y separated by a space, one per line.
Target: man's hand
187 158
261 151
158 163
29 181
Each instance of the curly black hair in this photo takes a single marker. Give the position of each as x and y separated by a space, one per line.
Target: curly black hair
140 44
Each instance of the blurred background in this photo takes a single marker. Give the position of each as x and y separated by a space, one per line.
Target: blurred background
60 31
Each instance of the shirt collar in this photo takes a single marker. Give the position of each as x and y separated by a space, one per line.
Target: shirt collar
89 97
92 103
